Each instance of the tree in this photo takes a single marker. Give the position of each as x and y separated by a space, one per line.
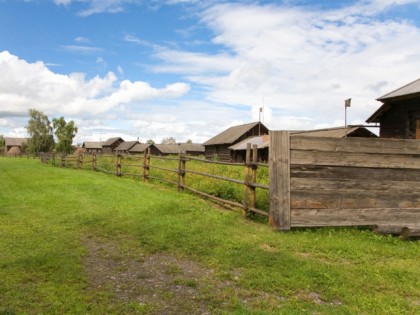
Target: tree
65 133
168 140
189 141
40 132
150 141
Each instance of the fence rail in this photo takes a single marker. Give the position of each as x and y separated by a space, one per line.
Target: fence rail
150 167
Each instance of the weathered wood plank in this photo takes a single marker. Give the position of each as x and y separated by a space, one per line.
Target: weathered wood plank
336 184
353 199
355 159
356 145
279 215
378 174
353 217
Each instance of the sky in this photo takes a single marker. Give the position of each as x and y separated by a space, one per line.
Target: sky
189 69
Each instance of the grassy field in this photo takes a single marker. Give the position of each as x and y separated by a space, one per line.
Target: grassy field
79 242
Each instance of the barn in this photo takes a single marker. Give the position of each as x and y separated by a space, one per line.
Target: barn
92 147
124 147
399 114
218 146
109 146
13 146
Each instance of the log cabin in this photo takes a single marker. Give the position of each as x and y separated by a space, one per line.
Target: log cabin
399 115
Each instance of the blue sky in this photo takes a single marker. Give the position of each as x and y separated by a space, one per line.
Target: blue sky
190 69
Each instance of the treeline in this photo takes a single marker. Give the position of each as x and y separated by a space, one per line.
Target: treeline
41 133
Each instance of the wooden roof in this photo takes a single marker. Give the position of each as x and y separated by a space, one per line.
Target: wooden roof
337 132
192 147
168 148
14 142
408 89
232 134
139 148
111 141
126 146
92 145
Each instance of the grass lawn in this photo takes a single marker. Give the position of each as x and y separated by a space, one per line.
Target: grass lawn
80 242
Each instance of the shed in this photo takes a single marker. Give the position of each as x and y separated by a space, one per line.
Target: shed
399 114
194 149
167 149
14 151
109 146
9 143
125 147
218 146
92 146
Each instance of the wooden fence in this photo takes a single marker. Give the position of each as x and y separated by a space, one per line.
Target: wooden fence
143 167
344 182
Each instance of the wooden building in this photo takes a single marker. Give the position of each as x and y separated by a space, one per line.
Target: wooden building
13 146
124 147
399 115
193 149
238 151
92 147
109 146
140 148
218 146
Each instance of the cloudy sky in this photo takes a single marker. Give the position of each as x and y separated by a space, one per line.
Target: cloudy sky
189 69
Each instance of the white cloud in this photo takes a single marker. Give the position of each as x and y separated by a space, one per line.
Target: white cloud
304 62
26 85
80 49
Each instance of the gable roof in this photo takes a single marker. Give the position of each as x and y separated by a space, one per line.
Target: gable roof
14 142
337 132
408 89
139 148
92 145
127 145
168 148
232 134
192 147
111 141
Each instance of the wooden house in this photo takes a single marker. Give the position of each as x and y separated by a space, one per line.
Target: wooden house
218 146
92 147
238 151
13 146
124 147
140 148
167 149
109 146
399 115
193 149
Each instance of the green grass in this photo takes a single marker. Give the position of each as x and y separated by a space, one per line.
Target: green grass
46 213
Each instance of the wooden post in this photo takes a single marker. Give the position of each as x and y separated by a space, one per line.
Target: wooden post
146 166
94 161
118 165
246 180
279 216
180 183
254 168
80 161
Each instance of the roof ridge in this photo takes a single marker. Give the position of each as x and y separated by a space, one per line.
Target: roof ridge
400 88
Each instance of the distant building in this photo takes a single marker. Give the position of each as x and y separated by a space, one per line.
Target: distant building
13 146
218 146
92 147
109 146
399 115
124 147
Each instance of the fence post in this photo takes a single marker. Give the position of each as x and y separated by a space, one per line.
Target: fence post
279 216
146 166
80 161
181 172
246 179
118 165
94 161
254 168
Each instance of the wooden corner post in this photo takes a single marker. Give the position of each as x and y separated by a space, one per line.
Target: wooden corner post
279 216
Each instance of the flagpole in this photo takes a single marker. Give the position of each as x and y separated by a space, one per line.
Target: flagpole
346 104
